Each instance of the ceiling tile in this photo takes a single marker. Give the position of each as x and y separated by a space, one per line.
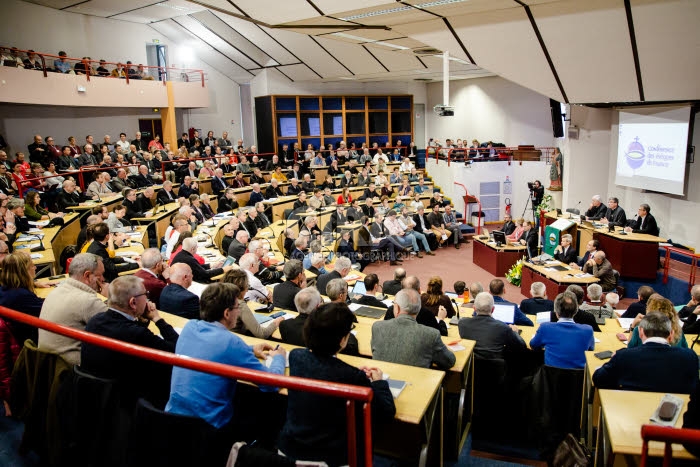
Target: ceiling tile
276 11
394 60
310 53
352 56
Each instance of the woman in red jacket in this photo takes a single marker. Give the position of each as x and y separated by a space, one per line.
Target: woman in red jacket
345 197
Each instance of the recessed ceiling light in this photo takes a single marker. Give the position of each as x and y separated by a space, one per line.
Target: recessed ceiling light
393 46
388 11
350 36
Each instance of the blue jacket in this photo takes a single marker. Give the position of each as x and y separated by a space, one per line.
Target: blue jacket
565 343
179 301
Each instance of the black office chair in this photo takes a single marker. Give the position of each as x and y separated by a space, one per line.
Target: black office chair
163 439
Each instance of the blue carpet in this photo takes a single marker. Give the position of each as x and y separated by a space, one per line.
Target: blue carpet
10 437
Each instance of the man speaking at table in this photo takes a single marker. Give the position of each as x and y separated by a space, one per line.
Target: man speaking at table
645 223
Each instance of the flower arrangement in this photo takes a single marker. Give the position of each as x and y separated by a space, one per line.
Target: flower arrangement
515 273
544 205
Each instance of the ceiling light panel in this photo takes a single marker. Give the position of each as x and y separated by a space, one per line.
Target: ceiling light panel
334 7
386 15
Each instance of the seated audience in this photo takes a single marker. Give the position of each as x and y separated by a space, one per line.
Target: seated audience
393 286
612 299
433 298
246 323
207 396
102 240
341 268
508 225
654 366
582 316
662 305
371 288
564 342
424 316
402 340
496 289
257 292
175 298
136 377
601 268
200 273
316 427
538 302
80 289
494 339
517 231
238 245
689 313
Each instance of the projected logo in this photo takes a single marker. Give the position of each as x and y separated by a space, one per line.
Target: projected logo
552 239
635 154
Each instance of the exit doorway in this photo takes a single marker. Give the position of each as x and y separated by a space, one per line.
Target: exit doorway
149 128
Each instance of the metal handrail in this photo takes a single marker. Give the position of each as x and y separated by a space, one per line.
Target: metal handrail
351 393
163 71
694 258
668 436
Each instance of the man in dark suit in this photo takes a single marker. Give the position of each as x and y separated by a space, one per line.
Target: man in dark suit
639 307
284 293
273 190
494 339
337 218
296 172
565 252
393 286
508 226
143 179
529 239
341 268
644 223
371 288
188 188
496 289
137 206
294 188
113 266
175 298
655 366
167 195
308 185
218 184
591 247
200 273
137 377
227 202
596 210
68 196
184 140
239 245
367 208
347 180
614 215
538 302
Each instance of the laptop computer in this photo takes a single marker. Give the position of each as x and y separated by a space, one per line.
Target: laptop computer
370 312
359 288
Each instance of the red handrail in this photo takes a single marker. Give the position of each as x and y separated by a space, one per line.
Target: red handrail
326 388
694 258
164 71
667 435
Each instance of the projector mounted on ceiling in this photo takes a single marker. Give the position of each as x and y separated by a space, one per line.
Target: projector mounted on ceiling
442 110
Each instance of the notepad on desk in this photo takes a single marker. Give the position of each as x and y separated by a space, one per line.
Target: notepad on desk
625 323
396 387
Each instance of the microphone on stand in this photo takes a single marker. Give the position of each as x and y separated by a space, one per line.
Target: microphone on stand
41 244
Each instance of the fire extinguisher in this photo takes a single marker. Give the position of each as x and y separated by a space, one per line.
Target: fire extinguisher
508 205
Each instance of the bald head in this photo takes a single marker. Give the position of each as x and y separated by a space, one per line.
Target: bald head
181 274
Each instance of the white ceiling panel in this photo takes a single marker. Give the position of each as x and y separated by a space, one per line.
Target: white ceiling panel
590 47
158 12
198 30
435 34
259 37
226 32
277 11
668 41
310 53
395 61
298 72
108 7
504 43
394 13
464 7
352 56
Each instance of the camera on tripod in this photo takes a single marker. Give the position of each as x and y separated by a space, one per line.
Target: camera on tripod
531 185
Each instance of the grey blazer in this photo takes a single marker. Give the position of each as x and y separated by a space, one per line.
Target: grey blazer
403 340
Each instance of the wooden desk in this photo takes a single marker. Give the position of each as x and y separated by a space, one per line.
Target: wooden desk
418 408
54 240
161 219
494 259
633 255
108 201
555 281
279 205
621 418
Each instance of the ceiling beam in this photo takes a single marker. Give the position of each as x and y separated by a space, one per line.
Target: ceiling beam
635 51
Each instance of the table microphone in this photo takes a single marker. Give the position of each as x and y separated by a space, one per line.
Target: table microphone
41 244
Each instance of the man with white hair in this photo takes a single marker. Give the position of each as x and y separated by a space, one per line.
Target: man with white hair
267 275
218 184
98 186
239 245
179 226
167 195
175 298
143 179
538 302
596 210
153 271
137 377
595 303
341 268
85 280
402 340
494 339
200 273
69 196
249 263
316 267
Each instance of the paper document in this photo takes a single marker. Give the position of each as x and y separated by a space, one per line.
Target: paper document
351 277
39 223
388 302
35 256
268 361
354 306
197 288
125 253
456 347
27 246
625 323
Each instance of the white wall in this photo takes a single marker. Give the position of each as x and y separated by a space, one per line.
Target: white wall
30 26
677 216
490 109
